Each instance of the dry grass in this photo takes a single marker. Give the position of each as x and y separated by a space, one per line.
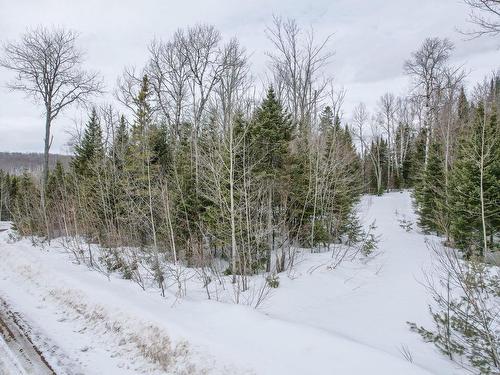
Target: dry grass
147 340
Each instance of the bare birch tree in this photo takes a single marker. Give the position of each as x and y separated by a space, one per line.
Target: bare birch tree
360 119
387 108
425 67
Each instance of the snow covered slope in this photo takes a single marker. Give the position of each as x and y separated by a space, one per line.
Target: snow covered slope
347 320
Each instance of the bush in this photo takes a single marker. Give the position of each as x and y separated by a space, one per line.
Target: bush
273 281
466 313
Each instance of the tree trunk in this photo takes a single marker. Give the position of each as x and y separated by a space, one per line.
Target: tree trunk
234 251
481 190
270 239
427 129
46 149
45 172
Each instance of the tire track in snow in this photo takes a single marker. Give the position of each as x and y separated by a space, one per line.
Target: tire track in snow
20 345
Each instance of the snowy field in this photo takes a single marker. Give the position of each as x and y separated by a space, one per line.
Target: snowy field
320 320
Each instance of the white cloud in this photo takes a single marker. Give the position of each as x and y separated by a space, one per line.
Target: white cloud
371 39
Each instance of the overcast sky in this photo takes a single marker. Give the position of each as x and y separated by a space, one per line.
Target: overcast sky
372 38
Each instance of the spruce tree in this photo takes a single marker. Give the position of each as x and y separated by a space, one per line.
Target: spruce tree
271 133
89 151
88 165
343 177
480 142
26 211
120 144
430 198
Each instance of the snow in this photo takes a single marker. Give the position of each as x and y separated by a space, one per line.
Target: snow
8 362
320 320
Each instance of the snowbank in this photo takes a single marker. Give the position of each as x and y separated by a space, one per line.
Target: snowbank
346 320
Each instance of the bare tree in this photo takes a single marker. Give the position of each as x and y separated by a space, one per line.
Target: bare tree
127 86
449 123
485 15
406 116
297 66
168 71
426 66
360 119
48 68
201 48
387 107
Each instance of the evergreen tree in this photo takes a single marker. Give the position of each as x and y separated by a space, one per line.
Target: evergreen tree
270 134
430 196
463 108
416 160
28 218
89 151
480 142
56 195
88 165
378 154
119 149
8 189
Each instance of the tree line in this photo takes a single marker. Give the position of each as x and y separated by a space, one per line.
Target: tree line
200 162
443 143
199 169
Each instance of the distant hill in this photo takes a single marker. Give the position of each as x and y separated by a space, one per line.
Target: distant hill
18 162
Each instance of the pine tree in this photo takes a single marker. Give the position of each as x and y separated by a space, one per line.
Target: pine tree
480 142
430 197
463 107
88 165
378 154
415 162
343 175
26 211
161 153
270 134
119 149
8 189
89 151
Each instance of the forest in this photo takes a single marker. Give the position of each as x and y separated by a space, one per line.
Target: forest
197 165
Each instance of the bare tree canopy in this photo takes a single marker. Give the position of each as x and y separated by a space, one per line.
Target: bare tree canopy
426 64
426 67
485 15
48 69
298 62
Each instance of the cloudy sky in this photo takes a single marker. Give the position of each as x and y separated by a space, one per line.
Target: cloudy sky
371 40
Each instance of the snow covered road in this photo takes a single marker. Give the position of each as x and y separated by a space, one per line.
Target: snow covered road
18 355
348 320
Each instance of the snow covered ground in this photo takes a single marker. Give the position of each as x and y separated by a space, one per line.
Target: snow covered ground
8 362
346 320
